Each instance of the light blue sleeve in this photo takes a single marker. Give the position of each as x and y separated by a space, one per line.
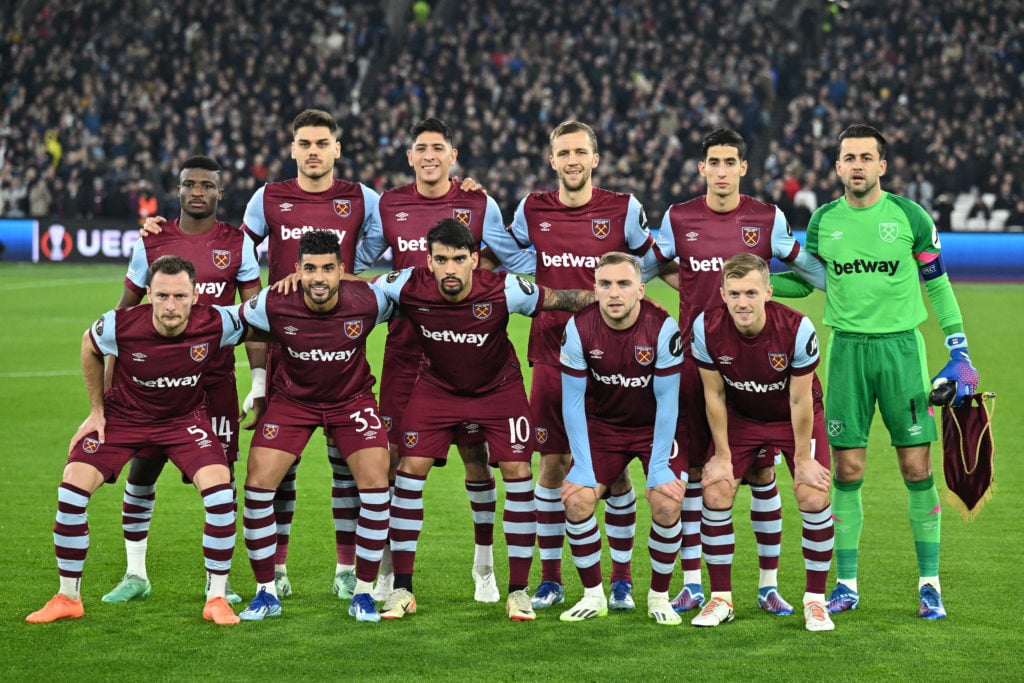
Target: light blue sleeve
372 244
250 270
806 351
522 260
666 241
521 295
255 219
385 307
699 345
391 285
371 210
574 390
805 264
670 345
504 244
666 394
637 234
257 316
104 333
233 329
138 265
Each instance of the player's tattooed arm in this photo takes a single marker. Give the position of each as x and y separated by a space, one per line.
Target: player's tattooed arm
571 300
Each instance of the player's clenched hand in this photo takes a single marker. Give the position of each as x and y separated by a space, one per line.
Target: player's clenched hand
287 284
810 472
152 226
674 489
570 489
718 468
96 422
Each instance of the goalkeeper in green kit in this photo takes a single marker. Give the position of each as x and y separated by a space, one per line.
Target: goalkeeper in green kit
875 246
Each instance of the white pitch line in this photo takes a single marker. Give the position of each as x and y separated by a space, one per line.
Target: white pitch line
42 373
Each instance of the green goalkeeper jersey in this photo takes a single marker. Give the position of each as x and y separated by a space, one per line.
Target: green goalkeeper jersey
871 258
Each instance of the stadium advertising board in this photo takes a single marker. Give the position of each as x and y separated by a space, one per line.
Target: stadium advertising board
18 239
79 241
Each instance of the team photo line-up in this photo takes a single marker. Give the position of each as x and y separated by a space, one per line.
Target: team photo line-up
706 400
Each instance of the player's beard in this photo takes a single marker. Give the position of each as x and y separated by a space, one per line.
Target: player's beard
319 299
582 181
452 289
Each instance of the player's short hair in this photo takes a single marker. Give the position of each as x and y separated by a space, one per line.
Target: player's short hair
319 242
739 265
171 265
203 162
567 127
614 258
451 233
315 117
863 130
726 137
432 125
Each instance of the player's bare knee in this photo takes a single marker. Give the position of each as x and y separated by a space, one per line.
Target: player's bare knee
578 508
552 471
664 510
810 499
515 470
719 495
211 475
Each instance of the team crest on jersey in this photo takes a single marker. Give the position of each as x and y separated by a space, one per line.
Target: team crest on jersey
342 207
889 231
199 352
779 361
541 434
643 354
270 431
835 427
221 258
353 328
90 445
602 227
388 422
751 235
411 439
482 311
463 216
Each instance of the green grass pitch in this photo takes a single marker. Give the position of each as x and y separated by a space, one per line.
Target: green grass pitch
45 309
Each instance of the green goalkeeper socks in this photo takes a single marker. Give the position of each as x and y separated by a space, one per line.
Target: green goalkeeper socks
926 523
849 521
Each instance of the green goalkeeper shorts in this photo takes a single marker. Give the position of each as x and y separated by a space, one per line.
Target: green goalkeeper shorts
888 368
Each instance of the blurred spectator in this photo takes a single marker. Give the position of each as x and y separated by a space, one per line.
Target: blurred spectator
1015 220
943 212
980 210
921 190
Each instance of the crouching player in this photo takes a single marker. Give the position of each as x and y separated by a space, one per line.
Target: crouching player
757 361
154 401
325 382
620 398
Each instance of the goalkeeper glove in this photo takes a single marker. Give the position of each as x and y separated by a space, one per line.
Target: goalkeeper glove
258 389
959 369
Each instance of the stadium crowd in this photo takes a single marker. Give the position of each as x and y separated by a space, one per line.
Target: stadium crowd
100 105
